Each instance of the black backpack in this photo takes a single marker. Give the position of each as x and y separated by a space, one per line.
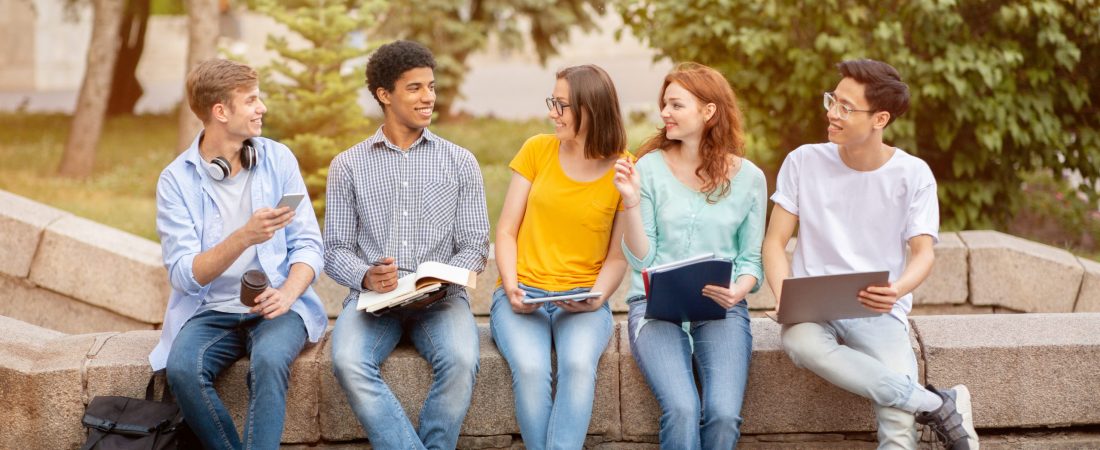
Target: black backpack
124 423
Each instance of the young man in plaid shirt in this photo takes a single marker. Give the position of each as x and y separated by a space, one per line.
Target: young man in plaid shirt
402 197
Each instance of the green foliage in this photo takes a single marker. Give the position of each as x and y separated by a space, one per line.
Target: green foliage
454 29
999 88
1055 212
312 91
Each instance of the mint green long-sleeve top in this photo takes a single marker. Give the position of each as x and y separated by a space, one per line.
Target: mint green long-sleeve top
679 223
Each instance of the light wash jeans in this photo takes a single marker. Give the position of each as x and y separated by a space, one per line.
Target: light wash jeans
870 357
212 341
445 334
551 419
695 417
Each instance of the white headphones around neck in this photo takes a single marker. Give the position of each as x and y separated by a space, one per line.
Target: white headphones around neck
219 168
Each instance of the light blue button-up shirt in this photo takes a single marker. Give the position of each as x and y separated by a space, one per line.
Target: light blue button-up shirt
188 224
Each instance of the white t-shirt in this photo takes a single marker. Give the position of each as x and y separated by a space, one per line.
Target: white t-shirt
233 196
853 221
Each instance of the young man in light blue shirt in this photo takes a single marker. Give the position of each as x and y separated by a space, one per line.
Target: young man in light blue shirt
216 221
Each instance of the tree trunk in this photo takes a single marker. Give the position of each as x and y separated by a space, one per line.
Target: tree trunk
126 90
79 156
202 44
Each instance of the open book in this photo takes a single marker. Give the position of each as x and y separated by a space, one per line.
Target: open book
430 276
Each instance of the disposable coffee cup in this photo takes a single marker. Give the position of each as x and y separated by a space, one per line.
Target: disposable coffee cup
253 283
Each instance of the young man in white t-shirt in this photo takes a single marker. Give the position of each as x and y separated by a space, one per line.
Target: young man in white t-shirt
857 202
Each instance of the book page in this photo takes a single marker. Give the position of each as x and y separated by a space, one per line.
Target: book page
405 286
436 272
680 263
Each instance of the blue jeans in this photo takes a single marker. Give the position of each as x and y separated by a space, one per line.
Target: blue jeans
525 341
445 334
695 417
212 341
870 357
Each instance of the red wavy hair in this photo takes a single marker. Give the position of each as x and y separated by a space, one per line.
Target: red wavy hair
722 134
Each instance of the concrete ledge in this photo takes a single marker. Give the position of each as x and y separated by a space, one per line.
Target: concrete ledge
103 266
1024 370
19 299
947 284
22 221
40 386
1088 300
1020 274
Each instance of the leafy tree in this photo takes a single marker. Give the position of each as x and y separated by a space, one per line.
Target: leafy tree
1000 88
312 92
454 29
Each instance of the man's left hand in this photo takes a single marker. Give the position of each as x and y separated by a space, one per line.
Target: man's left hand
879 298
273 303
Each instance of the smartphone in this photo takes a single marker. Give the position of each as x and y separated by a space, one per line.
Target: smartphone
291 201
563 298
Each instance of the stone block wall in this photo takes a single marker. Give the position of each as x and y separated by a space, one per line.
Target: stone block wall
1027 372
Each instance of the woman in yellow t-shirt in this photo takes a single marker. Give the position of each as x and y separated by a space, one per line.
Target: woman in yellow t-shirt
558 234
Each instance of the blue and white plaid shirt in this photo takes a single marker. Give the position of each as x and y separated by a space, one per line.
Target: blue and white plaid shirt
424 204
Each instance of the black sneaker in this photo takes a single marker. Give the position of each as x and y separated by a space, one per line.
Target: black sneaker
953 422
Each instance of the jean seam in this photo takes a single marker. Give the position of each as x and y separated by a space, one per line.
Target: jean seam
205 398
249 420
394 404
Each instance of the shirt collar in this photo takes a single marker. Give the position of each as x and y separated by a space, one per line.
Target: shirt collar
193 157
379 139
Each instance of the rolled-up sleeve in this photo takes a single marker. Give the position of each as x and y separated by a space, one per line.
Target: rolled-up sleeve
649 225
179 242
342 227
471 219
750 235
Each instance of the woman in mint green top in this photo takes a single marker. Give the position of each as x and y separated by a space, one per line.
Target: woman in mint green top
692 192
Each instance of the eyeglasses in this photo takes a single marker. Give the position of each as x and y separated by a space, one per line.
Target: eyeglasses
842 111
556 105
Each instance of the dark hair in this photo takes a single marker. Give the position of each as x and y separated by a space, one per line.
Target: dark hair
593 98
392 60
882 85
722 134
213 81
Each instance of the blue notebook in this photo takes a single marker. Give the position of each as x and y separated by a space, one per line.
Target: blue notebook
674 290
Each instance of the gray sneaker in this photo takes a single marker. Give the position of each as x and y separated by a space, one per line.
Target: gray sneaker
953 422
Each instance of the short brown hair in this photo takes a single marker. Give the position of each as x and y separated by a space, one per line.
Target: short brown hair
592 95
882 85
213 81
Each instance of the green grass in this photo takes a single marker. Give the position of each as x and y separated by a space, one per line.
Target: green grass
134 149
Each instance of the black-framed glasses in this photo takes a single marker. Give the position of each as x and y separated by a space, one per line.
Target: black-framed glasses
842 111
556 105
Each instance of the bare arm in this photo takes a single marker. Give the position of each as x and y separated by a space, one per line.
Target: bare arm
776 267
511 216
882 298
628 182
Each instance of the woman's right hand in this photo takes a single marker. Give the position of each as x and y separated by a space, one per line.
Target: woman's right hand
628 182
515 298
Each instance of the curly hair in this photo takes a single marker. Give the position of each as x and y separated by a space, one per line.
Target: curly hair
392 60
722 134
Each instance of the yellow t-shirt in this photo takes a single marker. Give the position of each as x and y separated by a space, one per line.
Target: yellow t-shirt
566 228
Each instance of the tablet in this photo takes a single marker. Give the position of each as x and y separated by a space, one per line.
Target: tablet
291 201
563 298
